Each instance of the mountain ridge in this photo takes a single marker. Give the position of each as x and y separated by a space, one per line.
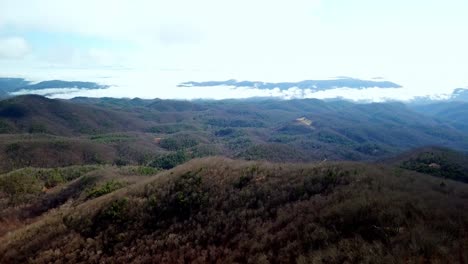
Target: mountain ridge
315 85
9 86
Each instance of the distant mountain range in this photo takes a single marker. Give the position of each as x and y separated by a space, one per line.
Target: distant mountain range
11 85
58 88
460 94
362 131
315 85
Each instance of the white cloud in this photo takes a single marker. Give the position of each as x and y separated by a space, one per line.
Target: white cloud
416 43
13 48
128 18
217 30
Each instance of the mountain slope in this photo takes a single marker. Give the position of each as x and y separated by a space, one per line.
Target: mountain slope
36 114
219 210
436 161
41 150
338 130
455 113
8 85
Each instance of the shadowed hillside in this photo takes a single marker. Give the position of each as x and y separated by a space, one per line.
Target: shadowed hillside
37 114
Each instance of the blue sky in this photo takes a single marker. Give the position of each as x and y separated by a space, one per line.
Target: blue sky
155 44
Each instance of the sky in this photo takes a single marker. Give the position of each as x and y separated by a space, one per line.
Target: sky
145 48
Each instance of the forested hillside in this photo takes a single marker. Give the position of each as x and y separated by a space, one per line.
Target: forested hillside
274 130
220 210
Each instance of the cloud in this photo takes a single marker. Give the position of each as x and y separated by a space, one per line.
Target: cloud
235 37
210 31
176 34
13 48
126 18
270 40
